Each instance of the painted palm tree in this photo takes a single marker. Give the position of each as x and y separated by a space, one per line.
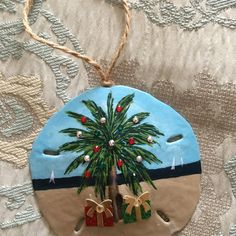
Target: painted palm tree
111 141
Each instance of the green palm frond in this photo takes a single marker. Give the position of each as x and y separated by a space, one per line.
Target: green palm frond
95 110
120 129
110 111
90 124
75 164
120 117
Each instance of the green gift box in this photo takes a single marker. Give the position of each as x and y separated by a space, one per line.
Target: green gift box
136 209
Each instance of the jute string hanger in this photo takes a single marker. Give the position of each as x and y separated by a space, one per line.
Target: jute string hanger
104 74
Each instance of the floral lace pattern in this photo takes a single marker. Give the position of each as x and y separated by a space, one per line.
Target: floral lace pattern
9 6
192 16
232 231
230 169
10 46
212 118
22 114
16 196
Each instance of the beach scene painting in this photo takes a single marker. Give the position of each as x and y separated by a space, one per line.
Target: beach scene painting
108 143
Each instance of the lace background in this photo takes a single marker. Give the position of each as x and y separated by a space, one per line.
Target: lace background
181 51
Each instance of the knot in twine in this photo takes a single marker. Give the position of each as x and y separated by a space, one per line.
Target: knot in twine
107 83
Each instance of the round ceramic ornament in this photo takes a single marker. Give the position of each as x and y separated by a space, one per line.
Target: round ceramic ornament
146 182
114 161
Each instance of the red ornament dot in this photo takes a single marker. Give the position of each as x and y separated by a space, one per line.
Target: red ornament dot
83 119
87 174
119 108
131 141
96 149
120 163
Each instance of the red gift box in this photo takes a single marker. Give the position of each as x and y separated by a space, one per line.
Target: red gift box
99 214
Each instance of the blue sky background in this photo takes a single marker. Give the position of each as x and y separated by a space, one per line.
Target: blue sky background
161 115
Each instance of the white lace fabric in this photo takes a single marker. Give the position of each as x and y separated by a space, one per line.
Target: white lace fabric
182 52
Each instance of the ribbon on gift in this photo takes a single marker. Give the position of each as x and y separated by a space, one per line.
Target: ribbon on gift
99 209
137 202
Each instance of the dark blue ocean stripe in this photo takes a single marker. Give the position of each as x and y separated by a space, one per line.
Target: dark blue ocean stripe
164 173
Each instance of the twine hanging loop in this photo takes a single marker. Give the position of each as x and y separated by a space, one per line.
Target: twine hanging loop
105 75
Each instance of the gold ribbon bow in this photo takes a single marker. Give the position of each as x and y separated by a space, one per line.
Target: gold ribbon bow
101 208
137 202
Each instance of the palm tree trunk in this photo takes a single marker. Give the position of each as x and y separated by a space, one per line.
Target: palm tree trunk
113 193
